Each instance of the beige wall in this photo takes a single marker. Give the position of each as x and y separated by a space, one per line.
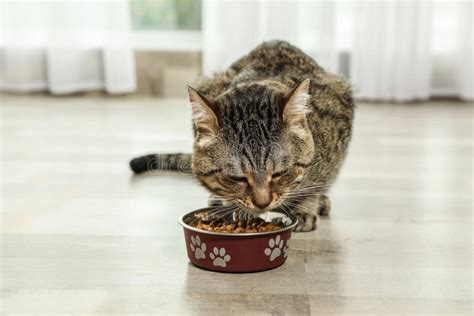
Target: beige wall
166 74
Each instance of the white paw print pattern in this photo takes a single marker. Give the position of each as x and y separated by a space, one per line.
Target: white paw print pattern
219 258
286 248
274 248
198 248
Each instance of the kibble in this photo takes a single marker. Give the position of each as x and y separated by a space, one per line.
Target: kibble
253 225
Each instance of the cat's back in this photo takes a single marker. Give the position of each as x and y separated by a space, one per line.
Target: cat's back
279 64
277 59
282 62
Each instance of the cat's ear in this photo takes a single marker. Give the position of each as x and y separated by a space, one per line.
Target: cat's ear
204 113
296 104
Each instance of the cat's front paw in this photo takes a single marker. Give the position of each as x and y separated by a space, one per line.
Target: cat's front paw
306 222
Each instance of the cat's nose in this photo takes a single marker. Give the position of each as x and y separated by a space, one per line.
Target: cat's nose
261 195
261 200
261 204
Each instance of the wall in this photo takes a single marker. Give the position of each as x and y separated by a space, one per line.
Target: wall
166 74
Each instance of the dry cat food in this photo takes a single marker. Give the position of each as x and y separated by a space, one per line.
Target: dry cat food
253 225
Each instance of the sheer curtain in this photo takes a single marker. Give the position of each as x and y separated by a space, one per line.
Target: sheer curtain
465 51
66 46
232 28
391 50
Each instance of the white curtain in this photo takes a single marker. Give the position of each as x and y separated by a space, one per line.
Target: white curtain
391 50
66 46
465 51
232 28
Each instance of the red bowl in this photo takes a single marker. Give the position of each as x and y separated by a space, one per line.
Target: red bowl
246 252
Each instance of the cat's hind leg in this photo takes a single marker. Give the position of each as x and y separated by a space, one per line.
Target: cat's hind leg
324 205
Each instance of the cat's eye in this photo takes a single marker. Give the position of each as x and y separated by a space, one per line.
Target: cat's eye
238 178
280 173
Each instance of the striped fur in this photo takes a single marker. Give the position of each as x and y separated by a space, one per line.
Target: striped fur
271 132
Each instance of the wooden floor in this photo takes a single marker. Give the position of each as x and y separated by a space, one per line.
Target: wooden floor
80 234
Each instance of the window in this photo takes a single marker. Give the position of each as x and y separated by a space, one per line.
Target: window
166 14
166 24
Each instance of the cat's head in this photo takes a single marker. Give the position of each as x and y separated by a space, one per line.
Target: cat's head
252 144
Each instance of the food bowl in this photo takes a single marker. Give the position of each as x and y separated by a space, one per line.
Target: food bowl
242 252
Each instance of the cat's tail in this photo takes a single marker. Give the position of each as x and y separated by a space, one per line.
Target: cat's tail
165 162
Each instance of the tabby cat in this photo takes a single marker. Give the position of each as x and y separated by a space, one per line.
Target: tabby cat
270 132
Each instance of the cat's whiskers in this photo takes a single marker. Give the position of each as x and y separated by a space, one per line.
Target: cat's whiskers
218 211
285 210
307 190
300 197
301 194
311 186
224 213
222 209
222 198
299 207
